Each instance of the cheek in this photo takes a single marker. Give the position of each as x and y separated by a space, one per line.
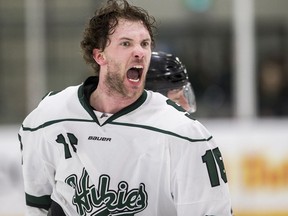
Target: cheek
172 95
115 66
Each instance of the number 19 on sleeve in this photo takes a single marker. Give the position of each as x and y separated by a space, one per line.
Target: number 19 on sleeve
212 159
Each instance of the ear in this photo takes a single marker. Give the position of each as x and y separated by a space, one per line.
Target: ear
99 57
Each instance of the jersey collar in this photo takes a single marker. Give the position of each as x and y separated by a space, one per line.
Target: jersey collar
86 89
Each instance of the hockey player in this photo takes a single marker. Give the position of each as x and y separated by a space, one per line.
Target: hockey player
169 76
108 147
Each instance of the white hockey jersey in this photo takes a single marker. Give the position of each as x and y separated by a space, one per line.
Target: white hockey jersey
151 158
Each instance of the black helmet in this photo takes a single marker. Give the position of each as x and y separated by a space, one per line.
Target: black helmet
167 73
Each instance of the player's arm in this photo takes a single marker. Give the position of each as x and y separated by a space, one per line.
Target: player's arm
199 182
35 173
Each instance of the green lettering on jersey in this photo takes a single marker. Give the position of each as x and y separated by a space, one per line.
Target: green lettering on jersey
105 200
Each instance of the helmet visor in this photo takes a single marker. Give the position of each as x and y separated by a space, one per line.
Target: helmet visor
184 96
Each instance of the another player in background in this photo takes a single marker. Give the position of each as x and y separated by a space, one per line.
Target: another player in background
168 75
108 147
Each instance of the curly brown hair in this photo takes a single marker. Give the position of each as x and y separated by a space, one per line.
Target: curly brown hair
104 22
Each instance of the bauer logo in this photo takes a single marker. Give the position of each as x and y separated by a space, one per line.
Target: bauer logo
105 139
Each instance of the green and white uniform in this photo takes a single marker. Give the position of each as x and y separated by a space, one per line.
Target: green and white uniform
151 158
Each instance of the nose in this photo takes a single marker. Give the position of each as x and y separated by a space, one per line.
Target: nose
138 52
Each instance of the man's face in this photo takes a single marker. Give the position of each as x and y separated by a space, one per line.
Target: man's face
126 59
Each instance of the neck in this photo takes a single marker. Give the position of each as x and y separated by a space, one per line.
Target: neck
105 103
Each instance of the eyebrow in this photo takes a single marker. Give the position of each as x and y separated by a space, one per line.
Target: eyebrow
129 39
125 38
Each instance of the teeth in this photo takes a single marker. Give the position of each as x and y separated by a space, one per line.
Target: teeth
138 66
133 80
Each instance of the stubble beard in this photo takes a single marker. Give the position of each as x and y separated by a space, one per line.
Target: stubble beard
115 83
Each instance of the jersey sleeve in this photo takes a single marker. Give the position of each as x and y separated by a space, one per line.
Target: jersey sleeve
36 172
199 183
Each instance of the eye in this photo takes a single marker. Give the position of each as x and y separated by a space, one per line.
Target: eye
145 44
125 43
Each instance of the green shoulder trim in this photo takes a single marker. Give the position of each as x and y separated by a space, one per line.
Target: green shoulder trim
46 124
43 202
85 104
162 131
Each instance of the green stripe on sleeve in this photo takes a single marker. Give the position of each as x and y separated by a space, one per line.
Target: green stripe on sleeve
43 202
162 131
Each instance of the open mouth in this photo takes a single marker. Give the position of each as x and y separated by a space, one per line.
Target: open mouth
134 74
